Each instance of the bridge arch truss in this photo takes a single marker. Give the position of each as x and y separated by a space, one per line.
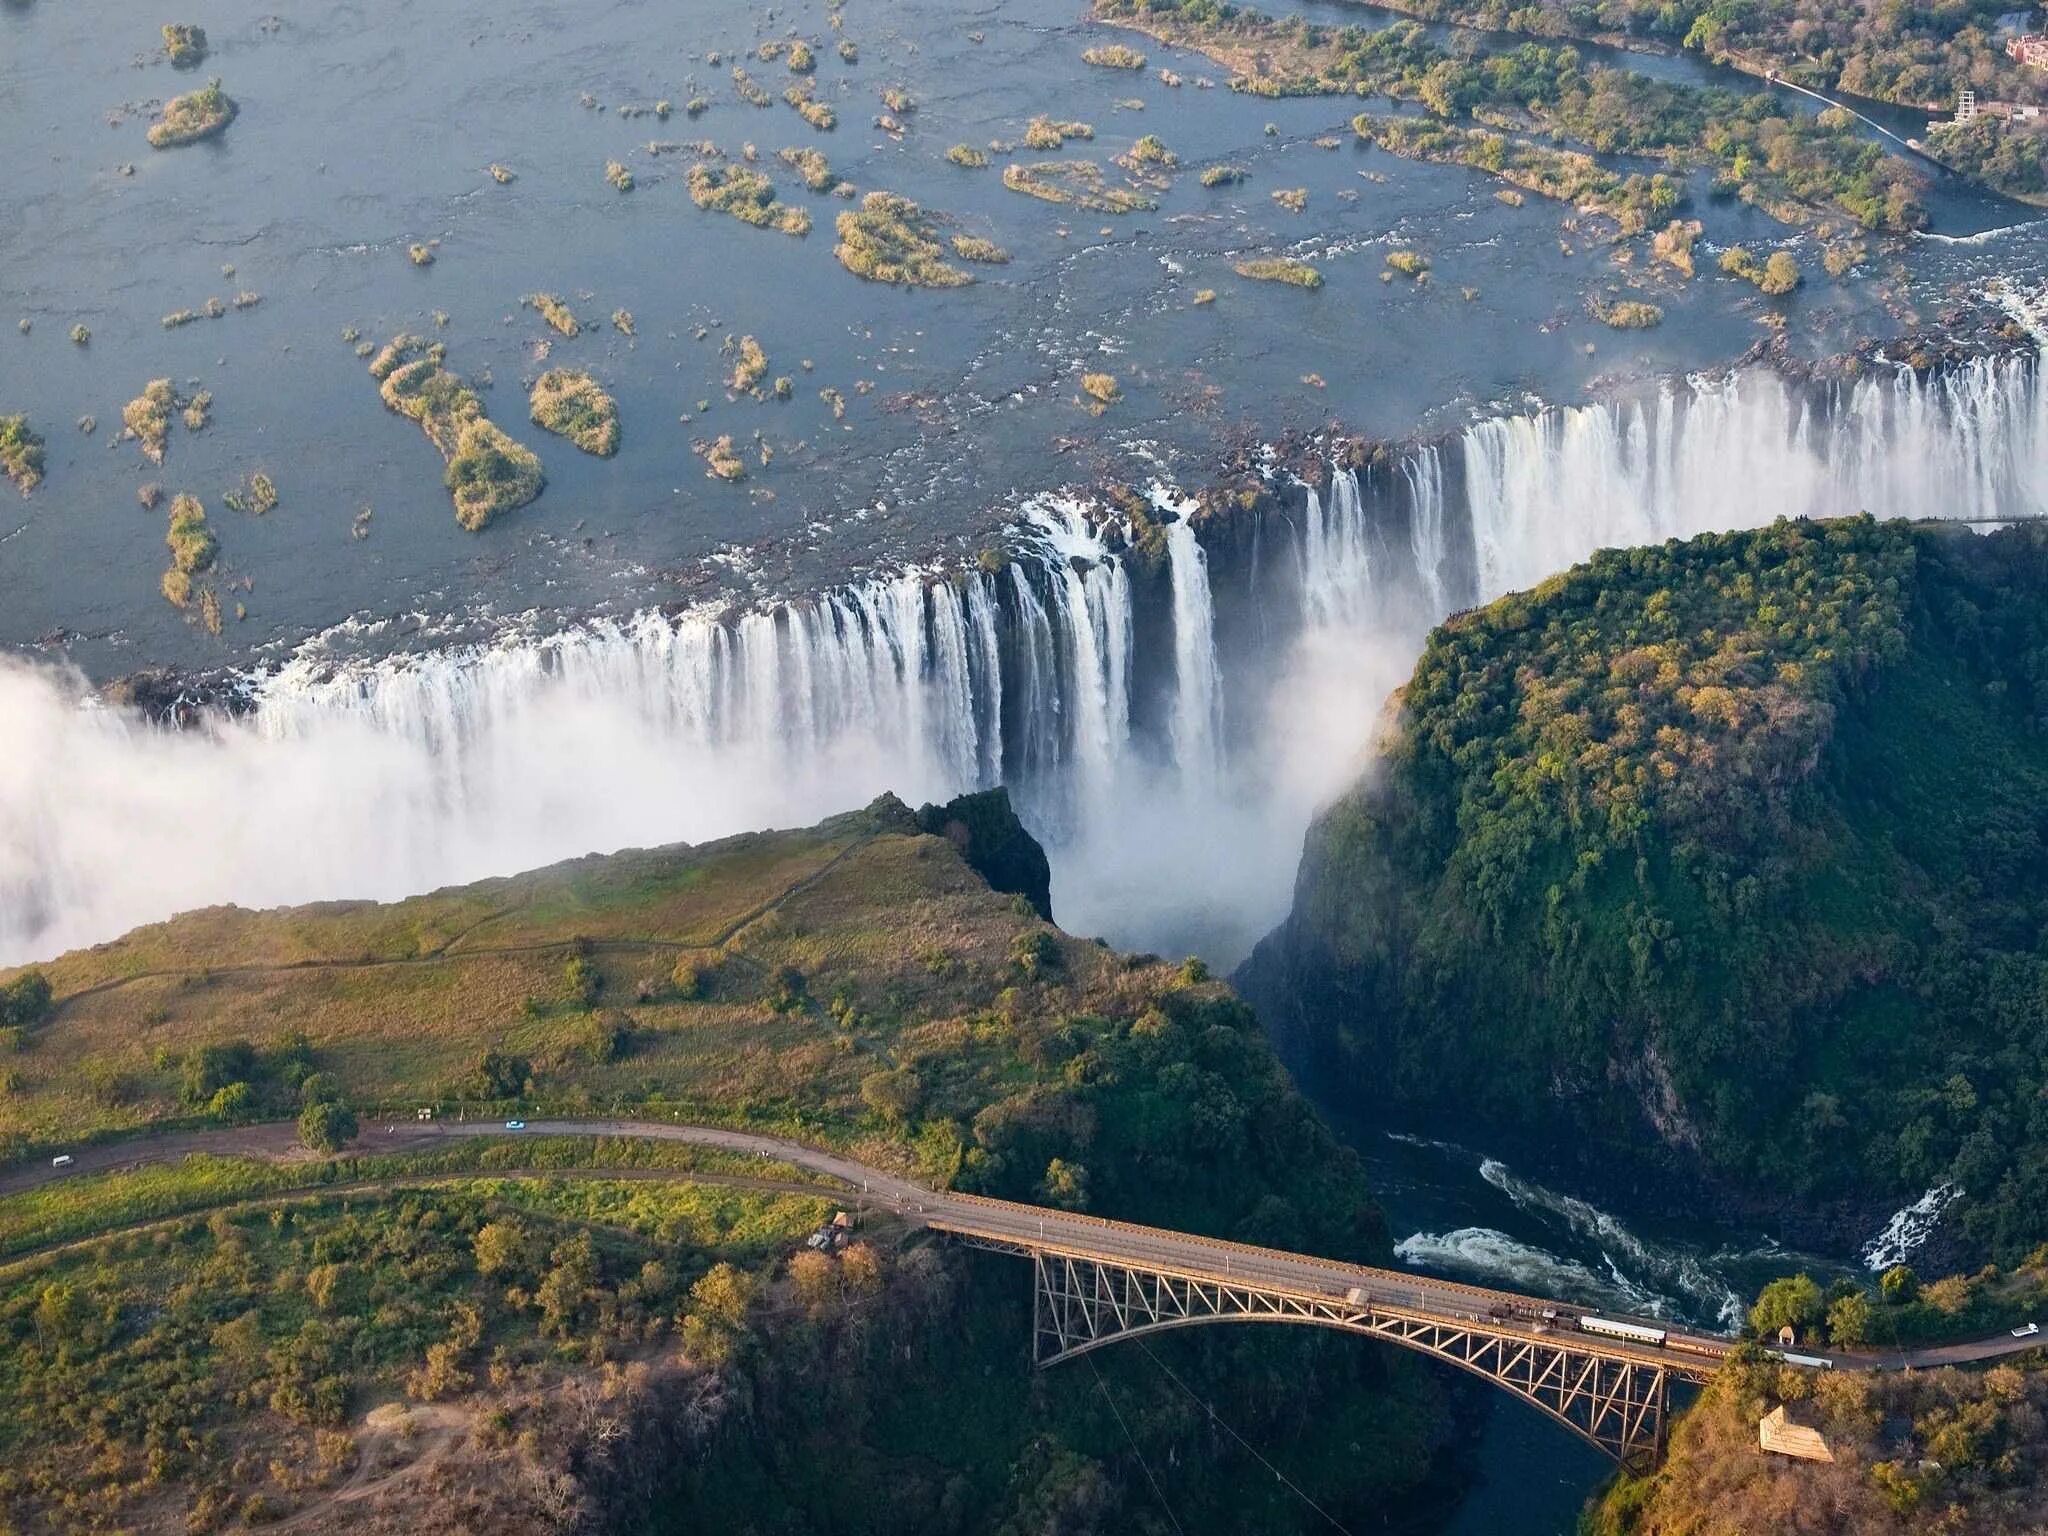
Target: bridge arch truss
1604 1394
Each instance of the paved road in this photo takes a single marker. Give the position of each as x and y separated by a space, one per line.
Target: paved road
1037 1227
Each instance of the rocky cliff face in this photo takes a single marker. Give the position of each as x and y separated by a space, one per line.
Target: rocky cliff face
1731 850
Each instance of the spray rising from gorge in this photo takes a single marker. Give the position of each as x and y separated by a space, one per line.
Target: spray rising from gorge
1168 714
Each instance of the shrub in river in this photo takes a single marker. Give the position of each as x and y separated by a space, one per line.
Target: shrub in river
80 335
1408 263
801 60
571 404
750 92
256 497
149 495
620 178
1737 262
1626 314
974 248
422 255
747 195
836 400
723 462
148 418
188 119
1205 295
185 44
21 453
247 299
192 544
750 366
891 240
554 311
488 472
622 321
967 155
898 100
1224 175
1047 133
849 50
176 587
1101 390
1293 199
179 317
1280 269
1113 56
812 166
1780 274
1839 257
198 411
1150 150
803 96
1077 183
1672 245
502 175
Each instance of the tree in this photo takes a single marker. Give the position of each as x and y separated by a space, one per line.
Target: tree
441 1376
319 1088
500 1247
326 1125
1849 1320
894 1095
1899 1285
861 1268
1794 1301
24 1001
213 1067
815 1280
1065 1184
500 1075
723 1295
233 1105
583 980
1781 273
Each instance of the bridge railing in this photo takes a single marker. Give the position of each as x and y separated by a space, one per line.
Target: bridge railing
1366 1274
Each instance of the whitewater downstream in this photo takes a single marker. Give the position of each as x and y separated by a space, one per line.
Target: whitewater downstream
1168 729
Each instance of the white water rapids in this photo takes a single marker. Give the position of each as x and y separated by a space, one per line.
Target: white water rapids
1172 824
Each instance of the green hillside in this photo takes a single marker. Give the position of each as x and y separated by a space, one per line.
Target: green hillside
517 1328
1734 846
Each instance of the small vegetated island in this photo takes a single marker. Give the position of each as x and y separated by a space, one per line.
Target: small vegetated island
570 403
185 45
523 1324
1492 111
891 240
190 118
747 195
488 471
21 453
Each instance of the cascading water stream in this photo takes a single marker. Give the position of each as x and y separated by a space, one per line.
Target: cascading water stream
379 776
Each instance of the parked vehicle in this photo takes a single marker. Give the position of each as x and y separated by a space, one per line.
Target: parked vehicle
515 1125
2026 1330
61 1160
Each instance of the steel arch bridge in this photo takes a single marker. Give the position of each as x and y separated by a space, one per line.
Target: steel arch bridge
1612 1395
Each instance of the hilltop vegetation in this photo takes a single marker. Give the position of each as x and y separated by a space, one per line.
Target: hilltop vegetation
1732 846
860 984
1945 1450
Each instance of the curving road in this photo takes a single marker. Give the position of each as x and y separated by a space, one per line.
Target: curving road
1038 1229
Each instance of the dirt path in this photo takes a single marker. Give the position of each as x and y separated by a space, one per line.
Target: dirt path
444 1429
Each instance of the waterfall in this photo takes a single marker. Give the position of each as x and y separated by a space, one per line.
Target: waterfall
376 776
1545 490
1423 473
1198 688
